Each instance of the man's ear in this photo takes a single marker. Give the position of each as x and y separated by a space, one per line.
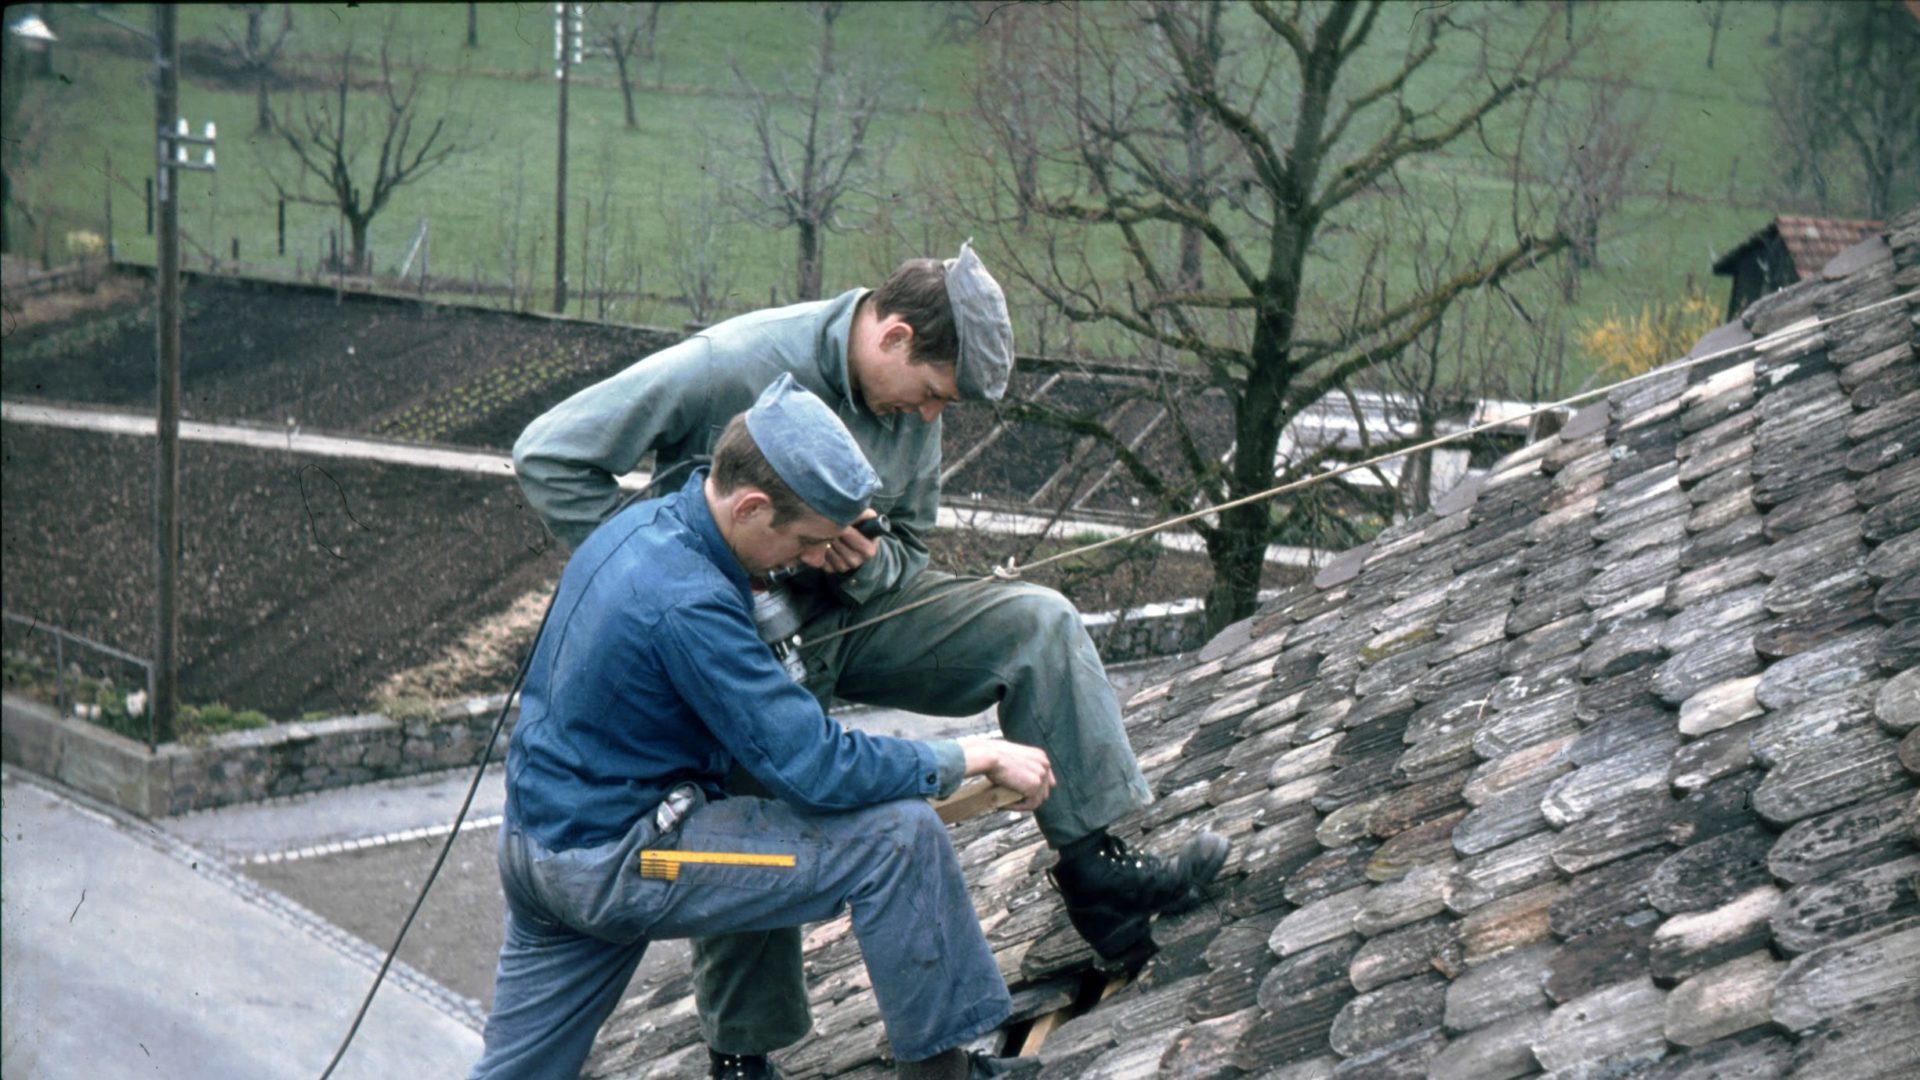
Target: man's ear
749 501
896 333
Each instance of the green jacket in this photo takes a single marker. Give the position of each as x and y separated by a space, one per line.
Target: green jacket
675 403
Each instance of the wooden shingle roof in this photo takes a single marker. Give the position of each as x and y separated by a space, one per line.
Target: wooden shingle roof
1604 767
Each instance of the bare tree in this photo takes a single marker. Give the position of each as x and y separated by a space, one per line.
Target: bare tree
702 262
518 245
1467 354
627 32
1296 161
329 136
1009 49
258 52
807 171
1592 146
27 138
610 265
1846 104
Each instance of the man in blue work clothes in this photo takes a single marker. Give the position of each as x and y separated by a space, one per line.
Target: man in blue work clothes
887 362
648 682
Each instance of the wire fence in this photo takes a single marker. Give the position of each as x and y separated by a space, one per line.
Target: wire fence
84 671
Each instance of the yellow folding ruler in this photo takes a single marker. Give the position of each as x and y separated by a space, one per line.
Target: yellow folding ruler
665 865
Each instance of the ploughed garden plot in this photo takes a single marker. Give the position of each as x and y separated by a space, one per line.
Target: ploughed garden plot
316 586
306 585
303 584
279 354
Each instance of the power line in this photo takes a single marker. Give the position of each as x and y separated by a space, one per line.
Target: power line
1011 572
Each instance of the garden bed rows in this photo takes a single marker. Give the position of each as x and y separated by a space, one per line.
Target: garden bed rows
308 586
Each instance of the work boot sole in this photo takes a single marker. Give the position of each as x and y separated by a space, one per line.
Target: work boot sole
1121 938
983 1067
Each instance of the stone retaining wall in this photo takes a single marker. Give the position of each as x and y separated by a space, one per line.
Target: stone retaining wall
242 766
291 759
1154 631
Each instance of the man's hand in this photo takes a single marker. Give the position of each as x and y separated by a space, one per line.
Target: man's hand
1013 766
850 550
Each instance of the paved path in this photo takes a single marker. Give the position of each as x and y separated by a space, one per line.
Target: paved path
292 440
955 514
129 953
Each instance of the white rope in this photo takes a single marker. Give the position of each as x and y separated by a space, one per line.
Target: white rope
1011 572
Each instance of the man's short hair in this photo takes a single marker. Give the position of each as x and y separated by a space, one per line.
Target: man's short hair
917 292
738 462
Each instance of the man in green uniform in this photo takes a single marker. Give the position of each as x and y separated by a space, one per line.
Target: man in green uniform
888 361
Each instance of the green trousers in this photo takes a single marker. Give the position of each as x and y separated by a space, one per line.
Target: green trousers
972 643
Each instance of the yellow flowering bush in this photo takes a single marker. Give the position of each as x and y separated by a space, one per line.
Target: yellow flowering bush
1662 331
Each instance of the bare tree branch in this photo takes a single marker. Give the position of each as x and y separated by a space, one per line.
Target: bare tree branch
806 176
326 142
1222 180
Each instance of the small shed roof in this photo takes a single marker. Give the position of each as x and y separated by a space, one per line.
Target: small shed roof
1810 241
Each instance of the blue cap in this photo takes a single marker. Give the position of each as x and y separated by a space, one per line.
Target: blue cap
811 450
985 332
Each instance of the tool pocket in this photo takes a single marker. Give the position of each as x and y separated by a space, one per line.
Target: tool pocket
739 854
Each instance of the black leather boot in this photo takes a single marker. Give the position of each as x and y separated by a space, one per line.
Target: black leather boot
741 1067
1113 894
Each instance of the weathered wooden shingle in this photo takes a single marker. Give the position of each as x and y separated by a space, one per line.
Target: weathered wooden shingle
1502 986
1713 872
1819 913
1862 763
1688 944
1720 706
1394 1012
1617 1027
1601 955
1502 871
1874 968
1734 997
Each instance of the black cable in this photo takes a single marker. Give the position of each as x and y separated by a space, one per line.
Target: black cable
486 752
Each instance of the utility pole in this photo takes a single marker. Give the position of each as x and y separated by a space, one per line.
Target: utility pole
567 28
170 153
166 486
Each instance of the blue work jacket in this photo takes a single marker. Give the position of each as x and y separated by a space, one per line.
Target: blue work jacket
649 672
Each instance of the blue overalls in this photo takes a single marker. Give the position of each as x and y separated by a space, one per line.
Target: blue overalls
649 681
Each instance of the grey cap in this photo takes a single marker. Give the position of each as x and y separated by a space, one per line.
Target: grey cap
811 450
985 331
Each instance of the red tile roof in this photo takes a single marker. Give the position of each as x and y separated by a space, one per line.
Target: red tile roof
1813 241
1810 241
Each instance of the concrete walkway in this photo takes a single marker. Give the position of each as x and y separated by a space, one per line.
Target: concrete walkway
292 440
955 513
129 953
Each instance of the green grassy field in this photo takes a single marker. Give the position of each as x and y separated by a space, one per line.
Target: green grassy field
1706 183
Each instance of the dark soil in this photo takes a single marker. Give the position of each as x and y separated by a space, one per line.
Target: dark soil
307 585
303 584
289 354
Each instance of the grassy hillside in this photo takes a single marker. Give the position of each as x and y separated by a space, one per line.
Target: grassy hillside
1705 184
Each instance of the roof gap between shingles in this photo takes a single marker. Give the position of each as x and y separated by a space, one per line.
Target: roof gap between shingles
1026 1039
